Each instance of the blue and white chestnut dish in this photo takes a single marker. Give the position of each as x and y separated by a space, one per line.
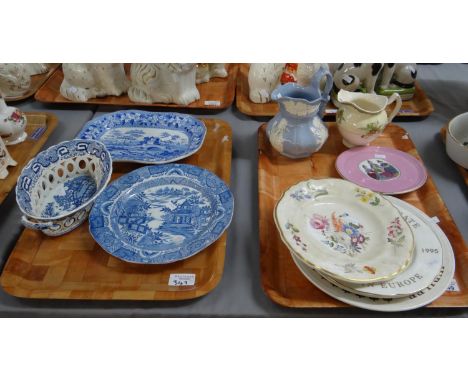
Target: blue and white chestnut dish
57 188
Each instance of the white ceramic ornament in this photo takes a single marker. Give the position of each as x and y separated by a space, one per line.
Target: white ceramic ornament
84 81
5 160
34 69
207 71
264 78
163 83
398 78
12 124
14 80
352 77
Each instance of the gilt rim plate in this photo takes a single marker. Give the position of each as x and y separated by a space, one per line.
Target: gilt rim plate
146 137
424 297
424 268
382 169
351 233
161 214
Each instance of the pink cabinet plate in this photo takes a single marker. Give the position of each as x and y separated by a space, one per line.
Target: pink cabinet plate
382 169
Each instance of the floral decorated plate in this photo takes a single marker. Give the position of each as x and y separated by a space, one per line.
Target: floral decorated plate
382 169
146 137
351 233
425 267
161 214
434 290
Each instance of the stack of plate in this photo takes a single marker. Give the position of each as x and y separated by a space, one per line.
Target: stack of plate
161 213
362 248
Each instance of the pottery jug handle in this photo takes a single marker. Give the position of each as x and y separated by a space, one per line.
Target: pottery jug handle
395 97
315 84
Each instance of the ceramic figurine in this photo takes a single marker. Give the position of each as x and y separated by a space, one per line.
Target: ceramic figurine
207 71
398 78
12 124
297 131
163 83
5 160
362 117
84 81
56 189
263 79
300 73
354 77
34 69
14 80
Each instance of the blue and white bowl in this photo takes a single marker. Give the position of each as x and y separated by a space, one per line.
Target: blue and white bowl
57 188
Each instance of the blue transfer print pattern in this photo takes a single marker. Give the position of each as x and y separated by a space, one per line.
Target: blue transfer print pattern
77 191
164 214
146 137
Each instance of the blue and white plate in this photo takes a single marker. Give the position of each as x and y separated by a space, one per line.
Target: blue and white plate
161 214
146 137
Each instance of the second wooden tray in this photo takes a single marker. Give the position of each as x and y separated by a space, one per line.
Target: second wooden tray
36 81
419 106
281 279
218 93
39 127
74 266
463 171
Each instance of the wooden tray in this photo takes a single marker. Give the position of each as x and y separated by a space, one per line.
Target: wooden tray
281 280
36 81
218 93
463 171
39 127
419 106
74 266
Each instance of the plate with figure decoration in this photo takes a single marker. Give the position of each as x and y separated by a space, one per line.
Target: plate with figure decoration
382 169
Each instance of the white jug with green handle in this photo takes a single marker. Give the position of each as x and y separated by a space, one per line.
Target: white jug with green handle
362 117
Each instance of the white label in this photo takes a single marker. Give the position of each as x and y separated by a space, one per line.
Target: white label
212 103
382 156
453 286
181 279
405 136
435 219
330 111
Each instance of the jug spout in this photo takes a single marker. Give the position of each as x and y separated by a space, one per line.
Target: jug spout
364 102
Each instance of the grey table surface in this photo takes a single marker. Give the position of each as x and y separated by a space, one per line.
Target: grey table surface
239 293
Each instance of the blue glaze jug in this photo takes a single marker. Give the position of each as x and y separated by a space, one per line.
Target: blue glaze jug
297 131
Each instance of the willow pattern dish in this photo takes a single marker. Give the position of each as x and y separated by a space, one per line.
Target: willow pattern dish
161 214
57 188
349 232
382 169
146 137
425 267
